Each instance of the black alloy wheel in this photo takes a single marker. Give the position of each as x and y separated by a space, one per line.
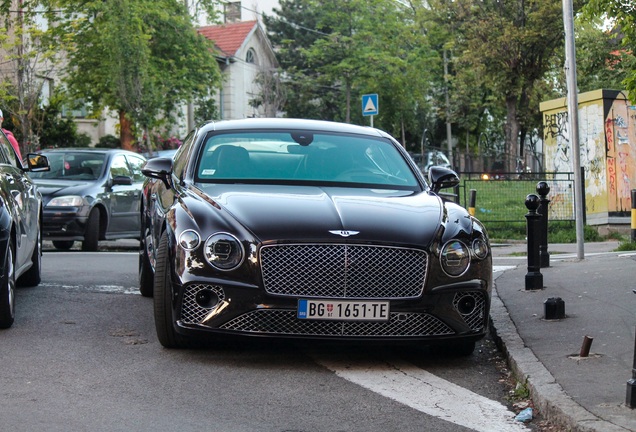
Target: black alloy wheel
163 299
7 289
33 276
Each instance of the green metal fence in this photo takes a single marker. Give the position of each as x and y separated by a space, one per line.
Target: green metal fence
503 200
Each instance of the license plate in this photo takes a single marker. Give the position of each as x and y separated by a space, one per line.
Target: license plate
343 310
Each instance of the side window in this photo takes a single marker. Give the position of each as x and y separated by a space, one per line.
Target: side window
7 154
135 165
180 158
119 167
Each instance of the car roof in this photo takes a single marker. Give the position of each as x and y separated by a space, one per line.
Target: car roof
89 150
288 123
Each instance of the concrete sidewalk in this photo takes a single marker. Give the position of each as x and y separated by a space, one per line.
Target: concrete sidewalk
580 393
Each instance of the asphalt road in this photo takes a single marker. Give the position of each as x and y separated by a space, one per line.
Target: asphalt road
82 355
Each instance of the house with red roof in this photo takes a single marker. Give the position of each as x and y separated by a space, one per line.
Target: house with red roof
246 59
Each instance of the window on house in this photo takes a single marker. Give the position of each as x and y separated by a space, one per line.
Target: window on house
81 112
250 57
47 90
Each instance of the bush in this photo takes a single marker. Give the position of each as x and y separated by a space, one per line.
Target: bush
83 140
109 141
626 245
58 131
590 234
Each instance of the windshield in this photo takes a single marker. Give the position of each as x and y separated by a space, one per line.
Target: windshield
72 166
303 157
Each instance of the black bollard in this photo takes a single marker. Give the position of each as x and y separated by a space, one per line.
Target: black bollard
554 308
543 189
534 278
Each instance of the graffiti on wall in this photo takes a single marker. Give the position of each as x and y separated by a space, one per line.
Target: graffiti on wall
558 160
619 152
592 142
607 132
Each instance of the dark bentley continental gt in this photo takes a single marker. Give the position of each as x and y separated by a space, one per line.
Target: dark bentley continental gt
20 229
309 229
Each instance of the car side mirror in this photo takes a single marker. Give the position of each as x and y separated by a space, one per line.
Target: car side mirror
37 162
159 168
122 180
442 178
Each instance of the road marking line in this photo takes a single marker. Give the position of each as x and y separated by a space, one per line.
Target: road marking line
425 392
117 289
501 268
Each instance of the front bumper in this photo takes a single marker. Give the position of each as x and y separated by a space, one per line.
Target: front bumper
236 310
64 223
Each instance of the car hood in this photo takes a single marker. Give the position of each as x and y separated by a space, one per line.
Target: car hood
291 213
55 187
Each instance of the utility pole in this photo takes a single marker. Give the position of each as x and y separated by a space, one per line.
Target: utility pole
573 116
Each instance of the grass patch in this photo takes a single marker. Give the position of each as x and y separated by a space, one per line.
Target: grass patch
626 245
558 232
501 200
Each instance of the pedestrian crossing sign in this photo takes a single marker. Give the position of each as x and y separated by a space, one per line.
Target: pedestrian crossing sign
370 105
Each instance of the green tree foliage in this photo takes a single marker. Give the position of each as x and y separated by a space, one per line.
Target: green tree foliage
508 46
29 63
142 58
292 30
601 62
623 60
333 51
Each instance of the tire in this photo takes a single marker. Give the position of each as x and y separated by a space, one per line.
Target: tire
63 244
7 290
146 275
91 236
164 321
33 275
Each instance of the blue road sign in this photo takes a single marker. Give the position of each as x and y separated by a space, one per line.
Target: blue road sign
370 105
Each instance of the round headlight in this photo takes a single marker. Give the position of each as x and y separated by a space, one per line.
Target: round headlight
480 248
454 258
223 251
189 240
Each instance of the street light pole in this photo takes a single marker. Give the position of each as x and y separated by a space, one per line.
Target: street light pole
573 115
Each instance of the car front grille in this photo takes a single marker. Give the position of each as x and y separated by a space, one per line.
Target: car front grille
284 322
343 271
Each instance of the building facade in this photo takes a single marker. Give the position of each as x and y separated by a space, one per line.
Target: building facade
245 58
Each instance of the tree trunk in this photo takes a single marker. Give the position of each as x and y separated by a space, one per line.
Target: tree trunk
512 133
125 132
